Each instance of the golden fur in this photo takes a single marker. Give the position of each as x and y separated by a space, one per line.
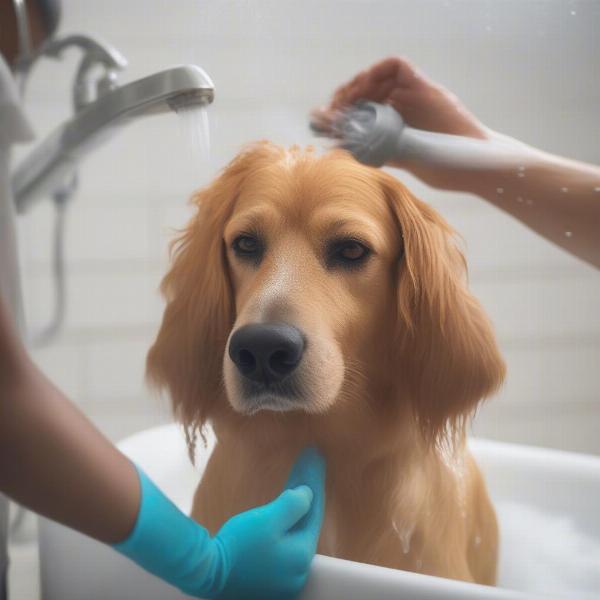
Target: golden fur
398 355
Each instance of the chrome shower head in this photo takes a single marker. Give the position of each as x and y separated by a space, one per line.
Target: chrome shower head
54 161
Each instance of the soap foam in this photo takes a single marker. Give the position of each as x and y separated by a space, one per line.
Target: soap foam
547 554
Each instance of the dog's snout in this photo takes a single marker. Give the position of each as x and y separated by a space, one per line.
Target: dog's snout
266 352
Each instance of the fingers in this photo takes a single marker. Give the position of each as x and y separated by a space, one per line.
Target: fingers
376 82
309 469
380 91
352 91
289 508
303 491
310 525
321 120
396 69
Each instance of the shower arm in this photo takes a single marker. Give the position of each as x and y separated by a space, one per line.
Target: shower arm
87 86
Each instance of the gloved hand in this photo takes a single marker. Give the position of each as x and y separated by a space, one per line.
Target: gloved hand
262 553
270 548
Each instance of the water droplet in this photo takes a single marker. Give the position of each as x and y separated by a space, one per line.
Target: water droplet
477 541
568 234
573 13
488 27
500 190
520 174
419 564
463 513
564 189
597 189
529 201
519 199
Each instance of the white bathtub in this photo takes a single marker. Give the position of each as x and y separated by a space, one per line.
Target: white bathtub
548 504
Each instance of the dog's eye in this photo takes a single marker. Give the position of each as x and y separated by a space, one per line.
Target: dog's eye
346 253
247 246
352 251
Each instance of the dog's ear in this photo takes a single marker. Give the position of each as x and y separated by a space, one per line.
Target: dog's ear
187 354
447 343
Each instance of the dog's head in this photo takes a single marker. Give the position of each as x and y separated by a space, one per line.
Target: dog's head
303 282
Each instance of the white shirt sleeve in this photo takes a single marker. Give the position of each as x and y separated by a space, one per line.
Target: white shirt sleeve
14 128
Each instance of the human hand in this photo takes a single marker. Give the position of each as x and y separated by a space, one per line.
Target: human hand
268 549
422 103
264 553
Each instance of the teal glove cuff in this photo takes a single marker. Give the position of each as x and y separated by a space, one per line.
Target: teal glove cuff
172 546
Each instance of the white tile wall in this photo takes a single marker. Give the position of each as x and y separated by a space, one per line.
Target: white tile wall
527 68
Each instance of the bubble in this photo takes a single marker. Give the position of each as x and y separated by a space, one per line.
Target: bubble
568 234
477 541
519 199
500 190
520 174
564 190
597 189
529 201
573 13
419 564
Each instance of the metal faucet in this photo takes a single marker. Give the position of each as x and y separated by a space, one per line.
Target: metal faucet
101 106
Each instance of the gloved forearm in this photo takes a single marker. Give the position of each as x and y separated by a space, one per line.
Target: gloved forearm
172 546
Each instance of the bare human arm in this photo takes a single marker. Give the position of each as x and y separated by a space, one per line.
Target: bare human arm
556 197
52 459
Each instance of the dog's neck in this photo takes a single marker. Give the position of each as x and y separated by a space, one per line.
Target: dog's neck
366 437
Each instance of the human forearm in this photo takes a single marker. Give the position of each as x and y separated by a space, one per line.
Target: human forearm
52 459
556 197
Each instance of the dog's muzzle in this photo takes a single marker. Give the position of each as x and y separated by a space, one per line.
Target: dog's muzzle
266 353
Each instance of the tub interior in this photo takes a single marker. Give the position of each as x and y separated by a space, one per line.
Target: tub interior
546 500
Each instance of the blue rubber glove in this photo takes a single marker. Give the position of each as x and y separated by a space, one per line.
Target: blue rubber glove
270 548
264 553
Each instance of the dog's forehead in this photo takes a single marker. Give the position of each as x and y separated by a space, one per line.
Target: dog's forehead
300 188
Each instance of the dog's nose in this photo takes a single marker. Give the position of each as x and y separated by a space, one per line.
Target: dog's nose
266 352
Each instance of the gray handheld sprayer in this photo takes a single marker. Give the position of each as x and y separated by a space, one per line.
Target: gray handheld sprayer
376 134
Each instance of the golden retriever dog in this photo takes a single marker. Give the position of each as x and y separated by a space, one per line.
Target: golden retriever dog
314 301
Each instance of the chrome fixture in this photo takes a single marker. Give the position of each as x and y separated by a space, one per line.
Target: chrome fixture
54 161
101 106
